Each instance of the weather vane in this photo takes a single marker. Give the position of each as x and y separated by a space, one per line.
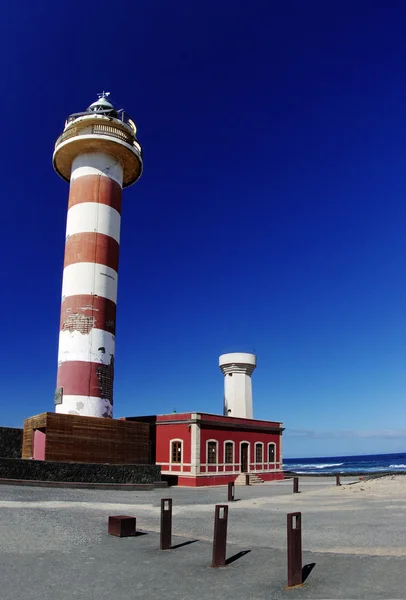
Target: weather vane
103 94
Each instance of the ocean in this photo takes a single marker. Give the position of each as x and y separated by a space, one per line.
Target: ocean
370 463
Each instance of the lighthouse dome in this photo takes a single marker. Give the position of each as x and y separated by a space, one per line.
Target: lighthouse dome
102 104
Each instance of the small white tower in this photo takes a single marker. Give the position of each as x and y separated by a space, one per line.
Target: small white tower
237 368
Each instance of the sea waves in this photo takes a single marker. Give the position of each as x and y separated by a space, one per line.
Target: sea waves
311 466
372 463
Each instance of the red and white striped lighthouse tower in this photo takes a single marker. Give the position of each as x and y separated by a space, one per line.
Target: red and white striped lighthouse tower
98 153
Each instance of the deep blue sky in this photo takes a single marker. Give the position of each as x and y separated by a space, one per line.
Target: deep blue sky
271 213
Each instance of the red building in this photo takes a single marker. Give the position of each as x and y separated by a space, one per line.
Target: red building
198 449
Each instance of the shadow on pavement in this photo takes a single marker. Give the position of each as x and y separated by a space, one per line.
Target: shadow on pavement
306 570
183 544
236 556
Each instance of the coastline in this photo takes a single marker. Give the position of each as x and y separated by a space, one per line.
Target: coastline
354 465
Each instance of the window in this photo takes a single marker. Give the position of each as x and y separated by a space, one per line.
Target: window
258 453
228 453
176 452
212 452
271 453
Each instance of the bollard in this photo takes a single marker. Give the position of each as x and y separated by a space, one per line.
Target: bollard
220 536
247 479
166 524
338 482
295 550
231 490
122 526
296 485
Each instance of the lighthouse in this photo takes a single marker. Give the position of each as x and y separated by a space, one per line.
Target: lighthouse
237 368
99 155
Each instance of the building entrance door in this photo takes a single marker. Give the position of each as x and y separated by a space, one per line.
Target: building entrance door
244 457
38 444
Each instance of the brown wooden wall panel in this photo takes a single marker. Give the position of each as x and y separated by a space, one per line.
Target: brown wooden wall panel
59 437
72 438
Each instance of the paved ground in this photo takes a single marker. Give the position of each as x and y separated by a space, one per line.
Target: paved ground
54 544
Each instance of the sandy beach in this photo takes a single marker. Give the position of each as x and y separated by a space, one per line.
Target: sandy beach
387 485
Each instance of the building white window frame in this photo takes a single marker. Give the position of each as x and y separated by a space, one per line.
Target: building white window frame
216 463
181 452
274 453
232 463
262 453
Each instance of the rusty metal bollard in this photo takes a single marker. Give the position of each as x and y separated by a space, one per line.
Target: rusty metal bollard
220 536
338 482
166 524
295 576
296 485
122 526
231 489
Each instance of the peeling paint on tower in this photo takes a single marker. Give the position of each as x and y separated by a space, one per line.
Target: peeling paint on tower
105 376
78 322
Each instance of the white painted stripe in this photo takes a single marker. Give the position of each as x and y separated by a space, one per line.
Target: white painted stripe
86 406
97 346
97 163
90 279
93 217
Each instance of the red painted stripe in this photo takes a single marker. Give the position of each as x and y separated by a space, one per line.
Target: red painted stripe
92 247
86 379
83 312
95 188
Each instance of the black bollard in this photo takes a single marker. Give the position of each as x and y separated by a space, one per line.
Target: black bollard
338 482
296 485
166 524
220 536
295 549
247 479
231 489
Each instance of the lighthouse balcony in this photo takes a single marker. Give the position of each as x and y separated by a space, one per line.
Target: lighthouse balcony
94 133
99 129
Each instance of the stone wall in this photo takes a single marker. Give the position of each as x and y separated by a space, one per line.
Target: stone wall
11 441
78 472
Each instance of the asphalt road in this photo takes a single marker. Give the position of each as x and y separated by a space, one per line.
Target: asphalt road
54 544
